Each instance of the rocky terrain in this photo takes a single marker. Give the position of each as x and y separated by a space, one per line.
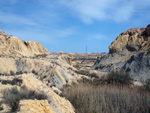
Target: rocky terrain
129 52
28 65
34 77
82 61
28 82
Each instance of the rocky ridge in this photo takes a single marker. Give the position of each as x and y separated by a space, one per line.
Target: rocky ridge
31 63
129 52
13 46
133 40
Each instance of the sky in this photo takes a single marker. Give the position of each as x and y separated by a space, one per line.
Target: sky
71 25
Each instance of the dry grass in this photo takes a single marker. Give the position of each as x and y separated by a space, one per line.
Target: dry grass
12 96
108 99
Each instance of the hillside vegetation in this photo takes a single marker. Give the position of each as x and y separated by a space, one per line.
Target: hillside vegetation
110 97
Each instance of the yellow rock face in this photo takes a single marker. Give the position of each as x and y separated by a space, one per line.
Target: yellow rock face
57 104
44 74
35 47
132 40
7 65
123 41
35 106
13 46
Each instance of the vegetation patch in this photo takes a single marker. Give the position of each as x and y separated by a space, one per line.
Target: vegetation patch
13 96
115 78
110 94
15 81
108 99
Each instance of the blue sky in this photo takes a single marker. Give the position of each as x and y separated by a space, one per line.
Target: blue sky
71 25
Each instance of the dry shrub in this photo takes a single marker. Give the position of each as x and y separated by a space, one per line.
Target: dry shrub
147 85
12 96
119 78
15 81
115 78
108 99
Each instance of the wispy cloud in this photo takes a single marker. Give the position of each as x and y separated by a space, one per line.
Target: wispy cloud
14 19
52 21
29 14
49 36
97 10
87 11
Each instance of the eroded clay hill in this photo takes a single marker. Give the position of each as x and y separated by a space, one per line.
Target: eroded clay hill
13 46
27 64
129 52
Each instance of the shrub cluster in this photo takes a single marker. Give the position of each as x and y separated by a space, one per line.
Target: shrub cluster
13 96
119 78
15 81
115 78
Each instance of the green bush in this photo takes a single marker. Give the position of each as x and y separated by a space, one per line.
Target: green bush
119 78
13 96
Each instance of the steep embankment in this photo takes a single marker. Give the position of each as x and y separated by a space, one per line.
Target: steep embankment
129 52
27 64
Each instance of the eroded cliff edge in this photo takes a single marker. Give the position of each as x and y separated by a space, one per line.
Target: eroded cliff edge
28 66
129 52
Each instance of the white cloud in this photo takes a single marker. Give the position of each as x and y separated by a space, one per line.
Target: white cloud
40 15
97 10
123 12
86 10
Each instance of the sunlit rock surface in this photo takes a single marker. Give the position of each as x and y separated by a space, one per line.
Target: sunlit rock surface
129 52
39 71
